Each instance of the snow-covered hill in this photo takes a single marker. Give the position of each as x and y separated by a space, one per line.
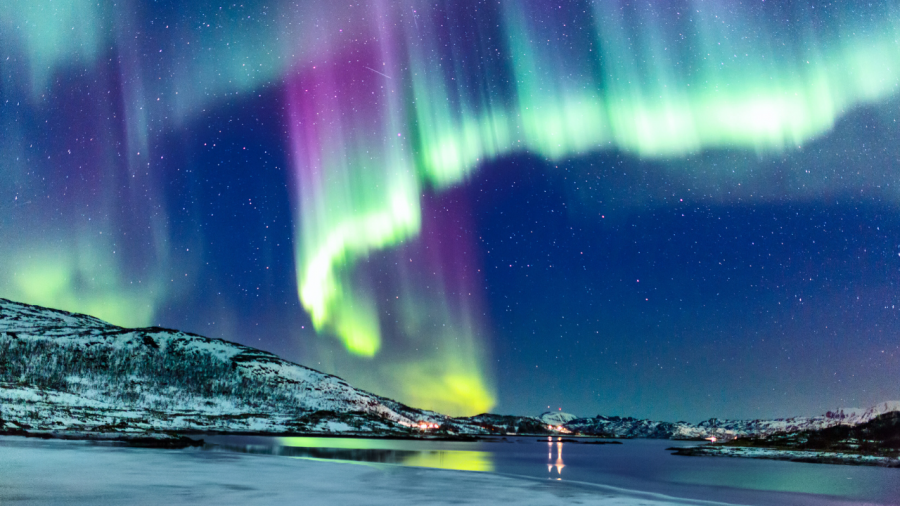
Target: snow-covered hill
626 427
64 371
556 417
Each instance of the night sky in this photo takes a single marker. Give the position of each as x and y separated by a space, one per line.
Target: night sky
676 210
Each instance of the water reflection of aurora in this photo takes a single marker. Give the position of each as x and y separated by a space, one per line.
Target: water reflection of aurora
374 451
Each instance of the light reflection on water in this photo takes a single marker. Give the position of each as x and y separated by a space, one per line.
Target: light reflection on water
461 461
635 465
559 461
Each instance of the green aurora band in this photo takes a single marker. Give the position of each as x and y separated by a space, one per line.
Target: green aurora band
409 99
557 81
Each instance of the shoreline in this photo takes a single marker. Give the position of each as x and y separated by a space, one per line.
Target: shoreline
804 456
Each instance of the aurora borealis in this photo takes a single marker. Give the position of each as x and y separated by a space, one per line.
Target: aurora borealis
473 205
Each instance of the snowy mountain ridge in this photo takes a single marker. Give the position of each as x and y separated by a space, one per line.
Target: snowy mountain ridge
64 371
556 418
856 416
627 427
844 416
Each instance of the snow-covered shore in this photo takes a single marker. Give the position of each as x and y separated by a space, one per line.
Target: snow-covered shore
812 457
78 473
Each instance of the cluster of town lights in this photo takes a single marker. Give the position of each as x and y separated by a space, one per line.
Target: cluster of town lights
427 426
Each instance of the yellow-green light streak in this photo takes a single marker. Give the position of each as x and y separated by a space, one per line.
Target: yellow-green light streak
582 80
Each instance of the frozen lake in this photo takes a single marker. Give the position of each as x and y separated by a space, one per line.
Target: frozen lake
249 471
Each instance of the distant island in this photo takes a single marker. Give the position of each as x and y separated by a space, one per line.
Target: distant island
873 443
66 375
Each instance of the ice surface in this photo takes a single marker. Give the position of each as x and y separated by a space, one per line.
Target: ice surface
77 473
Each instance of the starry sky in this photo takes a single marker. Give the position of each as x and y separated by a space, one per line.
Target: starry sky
677 209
